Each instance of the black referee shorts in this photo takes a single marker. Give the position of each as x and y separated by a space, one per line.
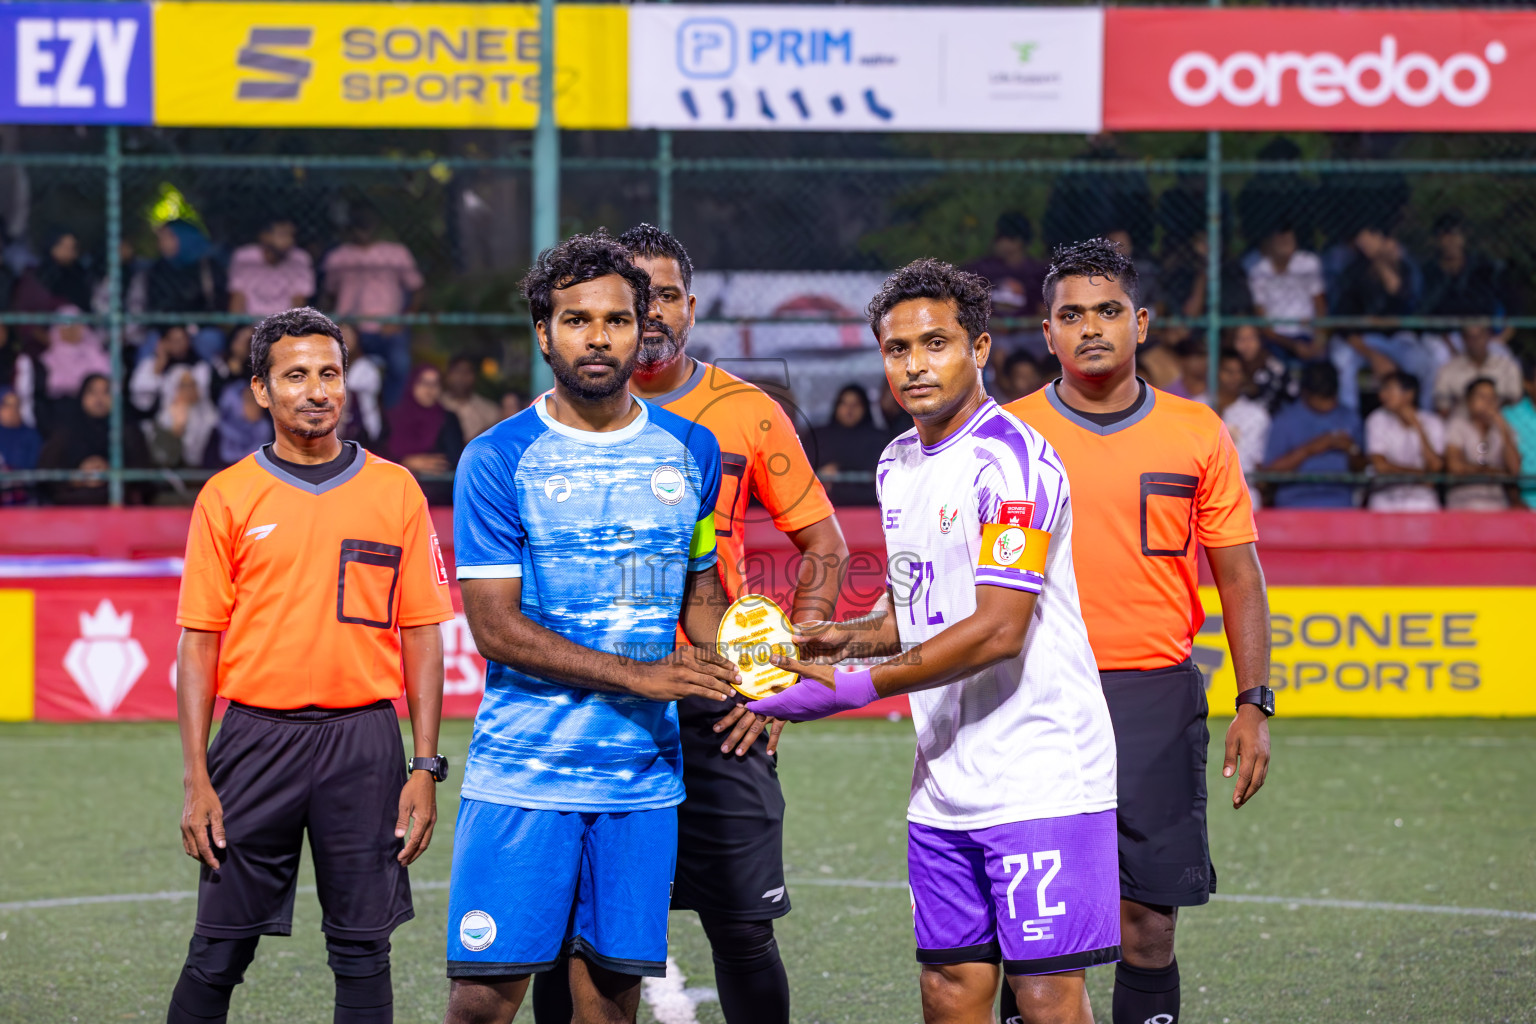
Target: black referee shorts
1161 740
730 828
336 774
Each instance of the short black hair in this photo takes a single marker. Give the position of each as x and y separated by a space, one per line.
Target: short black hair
1093 257
1450 220
292 323
577 260
1019 358
1320 378
1477 382
466 358
1014 224
935 279
1407 381
652 242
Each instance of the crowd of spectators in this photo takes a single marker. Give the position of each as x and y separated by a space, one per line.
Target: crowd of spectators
1377 397
186 399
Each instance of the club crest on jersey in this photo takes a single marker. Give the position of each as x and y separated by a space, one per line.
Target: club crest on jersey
667 484
947 517
477 930
1008 546
557 487
1016 513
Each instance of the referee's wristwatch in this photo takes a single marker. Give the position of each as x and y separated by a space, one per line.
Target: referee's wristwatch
1262 696
438 766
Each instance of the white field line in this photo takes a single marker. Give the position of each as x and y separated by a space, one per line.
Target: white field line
671 1002
851 883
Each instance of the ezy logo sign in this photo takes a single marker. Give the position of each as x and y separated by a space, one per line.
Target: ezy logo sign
72 65
290 72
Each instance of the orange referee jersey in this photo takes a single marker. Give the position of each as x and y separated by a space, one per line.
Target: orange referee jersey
760 454
310 584
1145 492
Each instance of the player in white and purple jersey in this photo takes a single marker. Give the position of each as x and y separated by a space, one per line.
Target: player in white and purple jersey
1011 825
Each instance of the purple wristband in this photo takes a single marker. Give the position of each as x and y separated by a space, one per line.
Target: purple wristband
808 699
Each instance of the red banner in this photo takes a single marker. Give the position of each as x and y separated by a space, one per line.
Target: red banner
1300 69
106 650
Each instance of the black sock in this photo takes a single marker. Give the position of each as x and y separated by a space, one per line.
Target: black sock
750 977
552 995
364 992
213 968
1008 1004
1146 995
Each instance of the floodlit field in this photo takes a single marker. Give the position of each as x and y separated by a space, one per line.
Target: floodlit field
1329 884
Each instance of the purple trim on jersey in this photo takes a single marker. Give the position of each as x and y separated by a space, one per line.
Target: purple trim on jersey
1062 914
984 496
906 439
1001 429
1041 506
1013 579
982 412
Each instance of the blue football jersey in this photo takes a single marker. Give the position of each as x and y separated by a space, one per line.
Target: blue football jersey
602 528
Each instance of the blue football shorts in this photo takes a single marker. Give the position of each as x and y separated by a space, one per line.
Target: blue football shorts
530 886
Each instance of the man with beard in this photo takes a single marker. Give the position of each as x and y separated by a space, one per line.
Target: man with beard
584 531
730 865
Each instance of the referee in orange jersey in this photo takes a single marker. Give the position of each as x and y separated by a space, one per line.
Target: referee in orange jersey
1154 478
311 598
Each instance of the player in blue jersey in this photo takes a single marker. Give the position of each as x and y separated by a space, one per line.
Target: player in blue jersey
584 535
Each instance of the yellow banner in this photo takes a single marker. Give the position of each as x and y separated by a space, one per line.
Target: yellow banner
373 65
1386 652
17 638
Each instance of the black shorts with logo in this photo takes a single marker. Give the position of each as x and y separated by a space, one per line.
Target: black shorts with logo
335 773
1161 740
730 828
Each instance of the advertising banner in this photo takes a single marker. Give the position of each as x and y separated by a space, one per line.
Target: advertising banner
75 63
817 68
361 65
105 650
1308 69
1385 652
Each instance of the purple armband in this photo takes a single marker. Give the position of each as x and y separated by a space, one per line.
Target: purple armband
808 700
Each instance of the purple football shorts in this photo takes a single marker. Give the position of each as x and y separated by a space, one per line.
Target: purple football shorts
1042 896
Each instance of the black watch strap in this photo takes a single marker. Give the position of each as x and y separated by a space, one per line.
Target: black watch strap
1260 696
438 766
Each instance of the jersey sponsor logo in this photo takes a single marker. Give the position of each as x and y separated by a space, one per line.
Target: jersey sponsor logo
438 563
557 487
261 532
892 518
477 930
774 895
947 517
1008 546
668 485
1016 513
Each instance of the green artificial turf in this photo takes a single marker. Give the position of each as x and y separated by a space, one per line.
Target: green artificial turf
1438 813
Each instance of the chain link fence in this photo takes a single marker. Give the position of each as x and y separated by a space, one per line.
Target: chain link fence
122 236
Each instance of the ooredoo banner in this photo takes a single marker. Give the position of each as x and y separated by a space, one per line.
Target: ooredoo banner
1301 69
839 68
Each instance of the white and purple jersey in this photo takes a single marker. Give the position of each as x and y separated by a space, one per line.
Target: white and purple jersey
1028 738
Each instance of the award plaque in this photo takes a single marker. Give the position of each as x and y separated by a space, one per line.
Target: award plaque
754 628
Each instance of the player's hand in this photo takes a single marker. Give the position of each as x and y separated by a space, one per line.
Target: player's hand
202 823
821 642
745 728
689 672
1247 753
418 815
